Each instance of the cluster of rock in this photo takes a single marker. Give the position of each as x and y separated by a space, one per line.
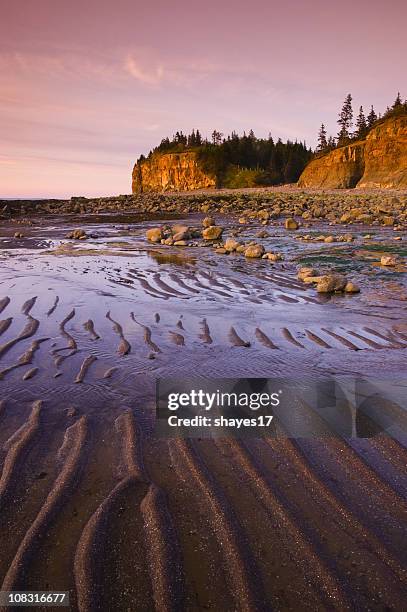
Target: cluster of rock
327 283
209 235
344 208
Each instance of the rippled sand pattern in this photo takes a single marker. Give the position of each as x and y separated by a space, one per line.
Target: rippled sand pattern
93 503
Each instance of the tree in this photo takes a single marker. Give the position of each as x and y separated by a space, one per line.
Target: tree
331 143
345 121
216 137
322 141
361 125
397 102
371 118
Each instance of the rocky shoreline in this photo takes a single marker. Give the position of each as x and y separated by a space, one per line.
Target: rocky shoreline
375 207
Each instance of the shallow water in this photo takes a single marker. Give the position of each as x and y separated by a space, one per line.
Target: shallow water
257 522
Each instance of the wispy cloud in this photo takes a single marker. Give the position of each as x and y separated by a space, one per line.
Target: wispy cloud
148 76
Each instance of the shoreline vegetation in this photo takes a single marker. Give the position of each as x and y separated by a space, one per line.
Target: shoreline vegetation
235 161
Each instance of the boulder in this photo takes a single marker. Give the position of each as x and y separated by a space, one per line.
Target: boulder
213 232
389 260
254 250
306 272
208 222
78 234
231 245
273 256
154 234
352 287
182 235
291 224
329 283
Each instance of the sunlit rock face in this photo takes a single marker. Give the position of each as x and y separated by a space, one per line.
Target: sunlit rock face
380 161
339 169
170 172
386 155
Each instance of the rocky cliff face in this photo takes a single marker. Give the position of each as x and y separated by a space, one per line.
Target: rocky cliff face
340 169
380 161
170 172
386 155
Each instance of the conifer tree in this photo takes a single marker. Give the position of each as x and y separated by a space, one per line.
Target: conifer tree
331 143
371 118
361 125
397 101
322 141
345 120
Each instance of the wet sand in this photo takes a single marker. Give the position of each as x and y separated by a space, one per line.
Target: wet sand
93 503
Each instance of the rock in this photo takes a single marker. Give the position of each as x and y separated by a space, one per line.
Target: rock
306 272
312 279
180 243
389 260
273 256
329 239
291 224
242 220
18 235
213 232
254 250
352 287
154 234
231 245
241 248
388 220
78 234
221 251
329 283
208 222
184 235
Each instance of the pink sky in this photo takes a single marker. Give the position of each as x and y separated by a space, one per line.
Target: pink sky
89 85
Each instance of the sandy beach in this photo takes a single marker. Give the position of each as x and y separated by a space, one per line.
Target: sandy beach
92 502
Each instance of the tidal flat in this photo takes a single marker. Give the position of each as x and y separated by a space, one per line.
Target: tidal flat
94 503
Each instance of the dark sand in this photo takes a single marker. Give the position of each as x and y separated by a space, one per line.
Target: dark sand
93 503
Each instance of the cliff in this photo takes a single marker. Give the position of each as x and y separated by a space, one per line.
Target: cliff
386 155
170 172
339 169
380 161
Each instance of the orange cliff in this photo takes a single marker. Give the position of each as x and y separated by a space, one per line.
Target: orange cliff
379 161
170 172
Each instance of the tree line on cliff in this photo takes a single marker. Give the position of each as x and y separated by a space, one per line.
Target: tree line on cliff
241 161
363 125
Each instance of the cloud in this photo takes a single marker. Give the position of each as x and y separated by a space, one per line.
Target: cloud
153 76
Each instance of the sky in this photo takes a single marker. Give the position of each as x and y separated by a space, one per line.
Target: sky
86 86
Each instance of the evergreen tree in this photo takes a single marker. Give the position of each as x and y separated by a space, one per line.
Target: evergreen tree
397 102
322 141
331 143
345 121
361 125
371 118
216 137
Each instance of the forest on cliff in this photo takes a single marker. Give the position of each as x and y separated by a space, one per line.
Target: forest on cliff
241 161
